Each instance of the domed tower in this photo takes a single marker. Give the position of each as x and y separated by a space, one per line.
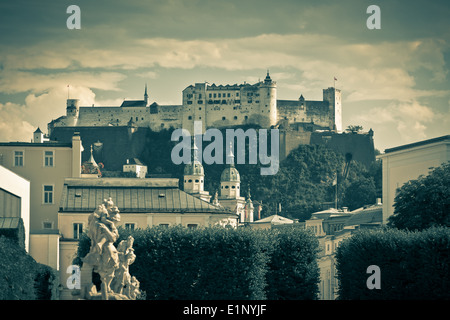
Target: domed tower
194 176
230 184
230 180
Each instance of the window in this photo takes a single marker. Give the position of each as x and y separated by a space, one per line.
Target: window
190 118
130 226
192 225
223 118
48 194
48 158
18 158
165 225
235 117
77 230
47 225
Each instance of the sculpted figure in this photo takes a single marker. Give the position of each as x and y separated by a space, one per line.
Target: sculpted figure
122 280
103 256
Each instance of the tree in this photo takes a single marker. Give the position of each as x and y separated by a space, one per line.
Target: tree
423 202
354 129
359 193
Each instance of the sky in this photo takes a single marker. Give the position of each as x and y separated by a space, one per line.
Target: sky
394 80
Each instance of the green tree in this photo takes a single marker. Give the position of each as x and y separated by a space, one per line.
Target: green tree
359 193
423 202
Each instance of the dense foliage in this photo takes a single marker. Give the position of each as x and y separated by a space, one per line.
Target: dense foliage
423 202
413 265
302 185
21 277
218 263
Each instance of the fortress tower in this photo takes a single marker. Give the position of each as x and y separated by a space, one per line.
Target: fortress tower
72 112
333 96
268 99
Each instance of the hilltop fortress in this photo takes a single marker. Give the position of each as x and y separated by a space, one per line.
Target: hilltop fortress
215 105
218 106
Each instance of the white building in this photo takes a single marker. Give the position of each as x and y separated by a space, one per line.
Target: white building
136 166
14 201
408 162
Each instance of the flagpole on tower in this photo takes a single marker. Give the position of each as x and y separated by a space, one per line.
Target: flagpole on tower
335 82
68 91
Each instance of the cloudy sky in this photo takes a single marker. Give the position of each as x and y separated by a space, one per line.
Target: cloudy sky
394 80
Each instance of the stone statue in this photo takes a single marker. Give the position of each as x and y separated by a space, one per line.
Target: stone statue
109 262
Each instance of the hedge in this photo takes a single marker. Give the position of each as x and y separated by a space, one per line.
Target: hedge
413 265
21 277
217 263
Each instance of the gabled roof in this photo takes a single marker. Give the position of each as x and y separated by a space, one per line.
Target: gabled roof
132 196
133 103
275 219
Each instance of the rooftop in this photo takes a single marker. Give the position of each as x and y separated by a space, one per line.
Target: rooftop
133 196
418 144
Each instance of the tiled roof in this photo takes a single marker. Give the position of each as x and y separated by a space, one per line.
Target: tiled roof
132 196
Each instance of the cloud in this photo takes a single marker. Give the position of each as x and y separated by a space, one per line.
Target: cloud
408 121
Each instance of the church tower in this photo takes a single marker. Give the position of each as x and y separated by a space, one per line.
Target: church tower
249 208
194 176
230 184
146 95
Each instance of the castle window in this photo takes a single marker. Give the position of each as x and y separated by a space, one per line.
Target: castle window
246 117
190 180
200 101
210 95
162 125
189 102
228 95
137 118
235 117
196 180
237 94
226 187
192 225
200 108
199 95
224 118
233 187
219 95
214 95
130 226
190 118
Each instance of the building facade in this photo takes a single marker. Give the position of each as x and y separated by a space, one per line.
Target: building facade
45 164
408 162
142 203
15 202
215 106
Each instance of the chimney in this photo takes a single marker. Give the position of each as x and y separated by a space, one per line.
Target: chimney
77 149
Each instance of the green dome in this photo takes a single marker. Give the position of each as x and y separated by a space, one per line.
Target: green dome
230 174
194 168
